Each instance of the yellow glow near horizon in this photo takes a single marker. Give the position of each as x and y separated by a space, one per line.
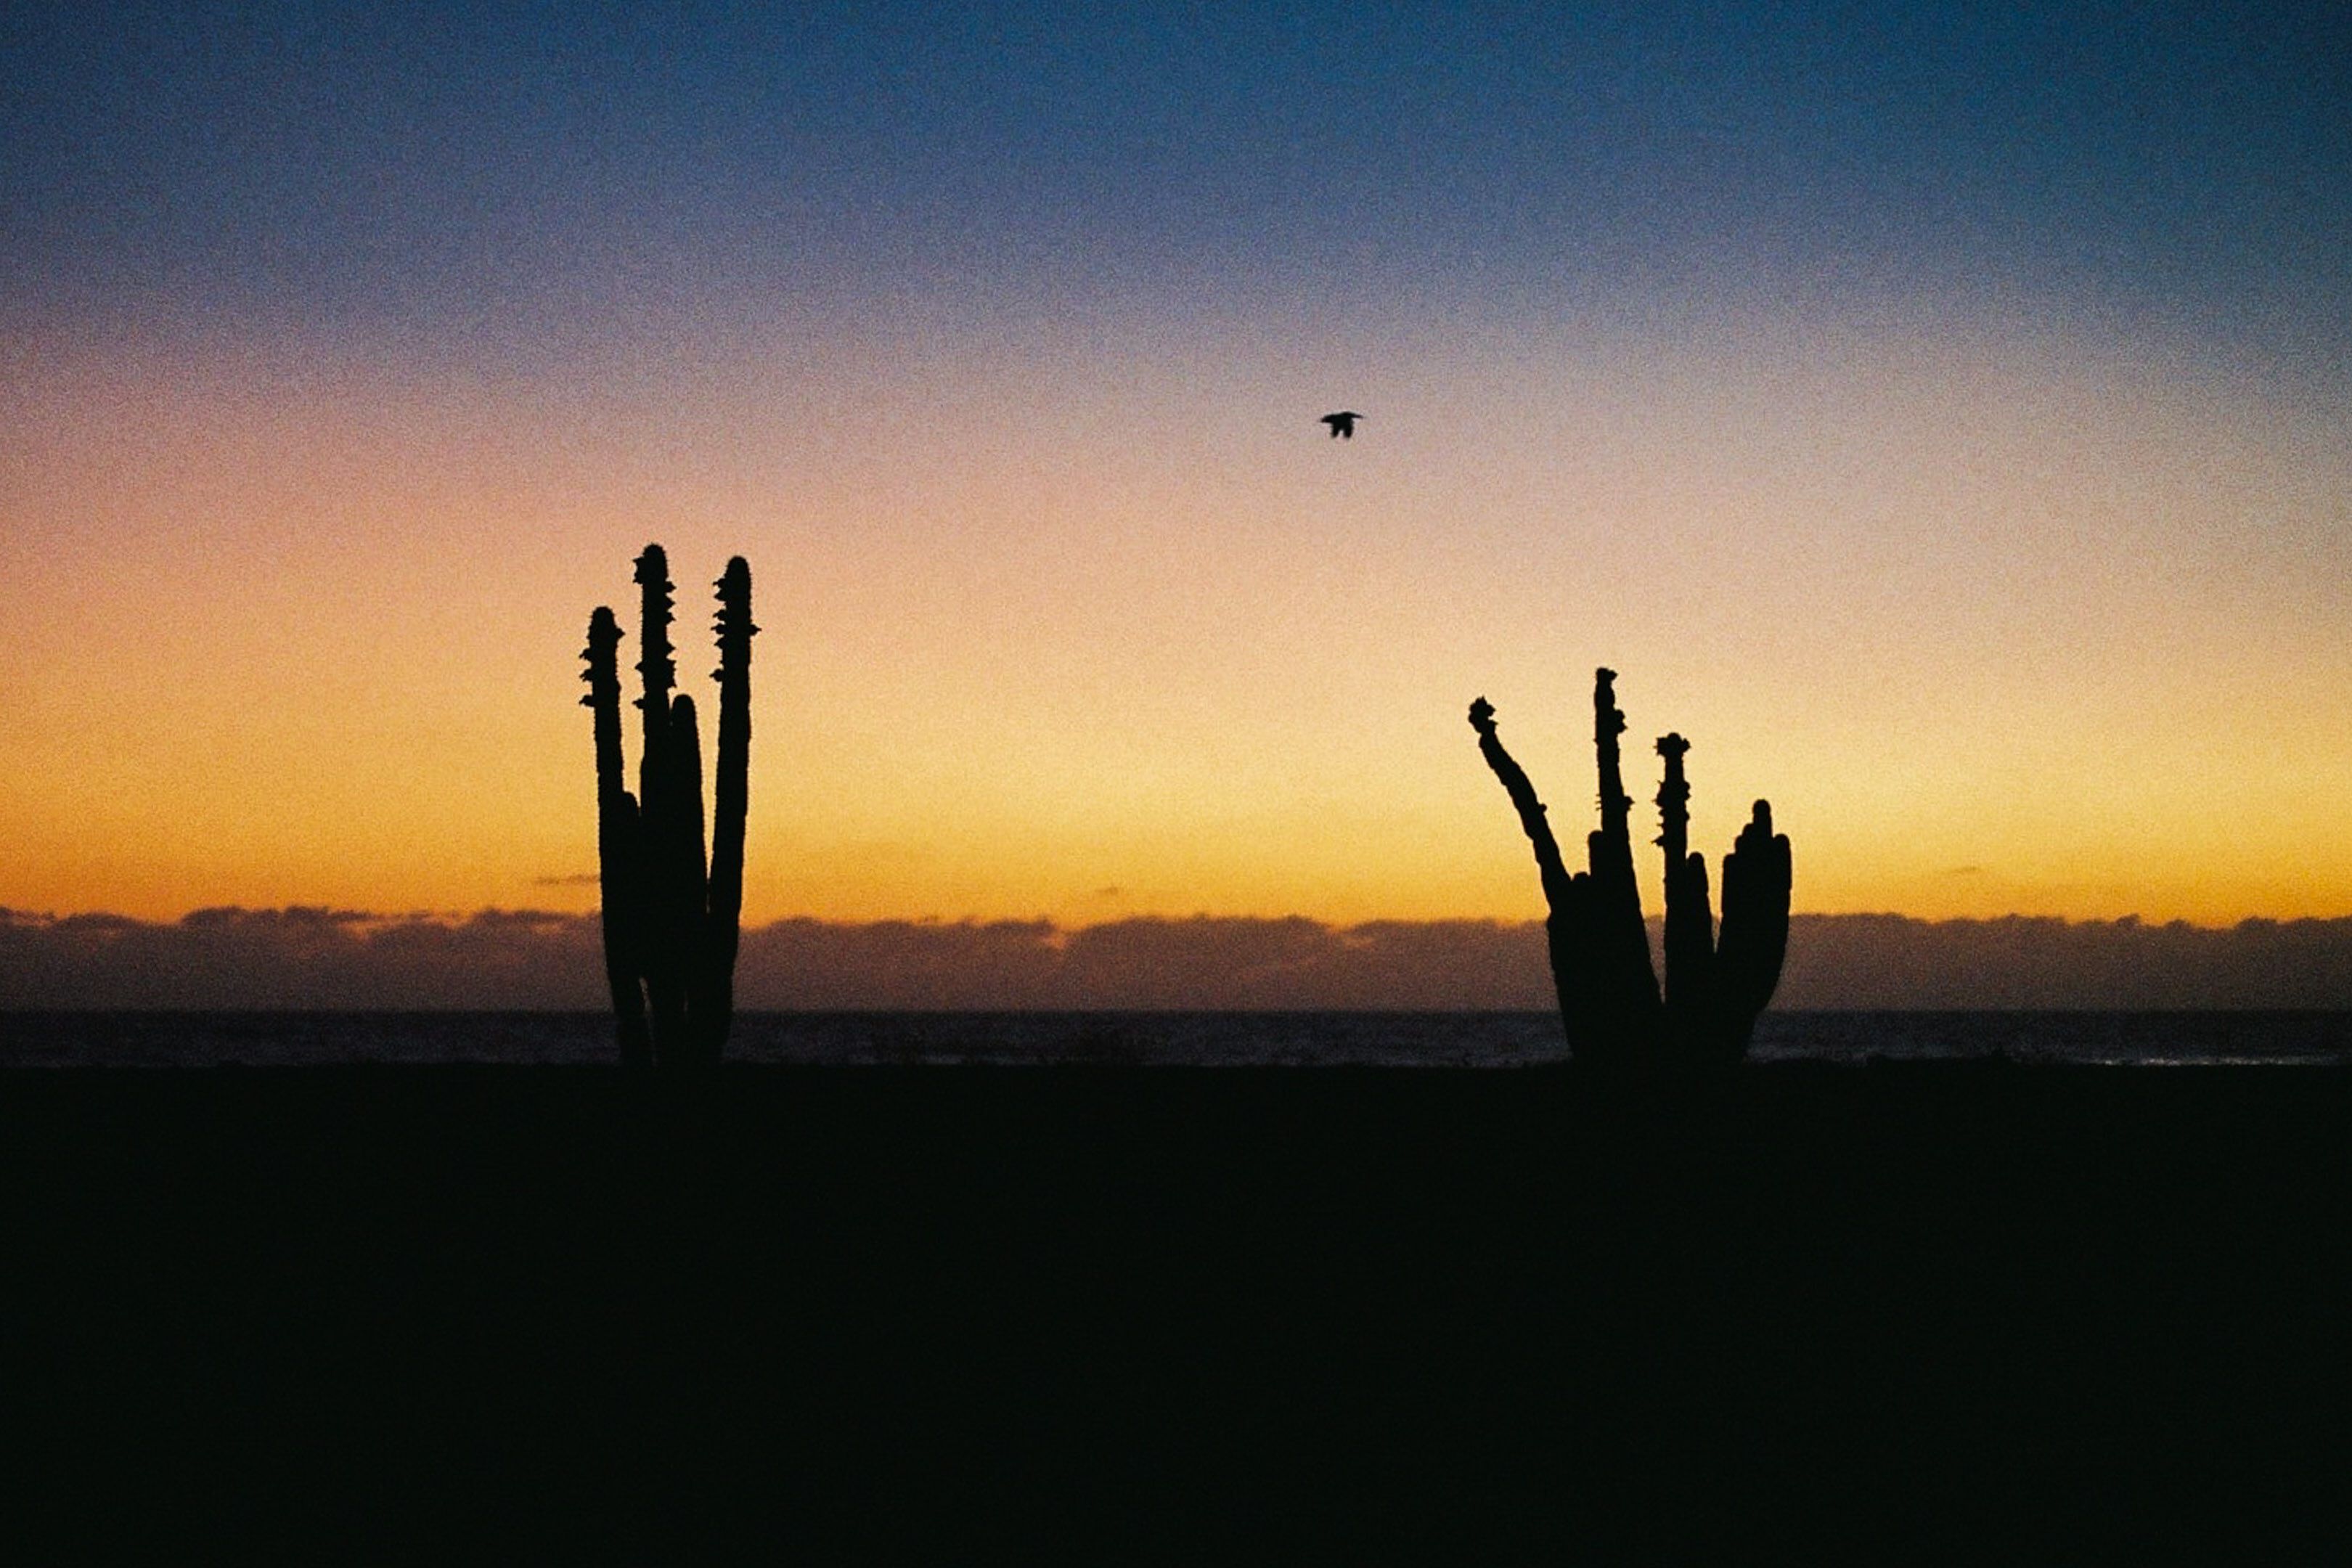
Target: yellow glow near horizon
2000 622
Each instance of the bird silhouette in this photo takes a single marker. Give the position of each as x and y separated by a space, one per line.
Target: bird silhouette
1342 423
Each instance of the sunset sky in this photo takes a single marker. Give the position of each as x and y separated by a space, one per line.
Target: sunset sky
1941 416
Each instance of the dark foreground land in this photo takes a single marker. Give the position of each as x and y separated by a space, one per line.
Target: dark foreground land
1182 1314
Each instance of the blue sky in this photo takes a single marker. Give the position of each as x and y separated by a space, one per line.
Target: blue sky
519 170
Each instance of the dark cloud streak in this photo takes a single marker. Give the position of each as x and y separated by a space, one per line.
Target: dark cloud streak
534 960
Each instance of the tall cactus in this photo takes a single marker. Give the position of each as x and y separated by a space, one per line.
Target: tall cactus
671 922
1610 1001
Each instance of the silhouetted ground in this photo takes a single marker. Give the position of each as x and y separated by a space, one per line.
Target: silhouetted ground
1171 1314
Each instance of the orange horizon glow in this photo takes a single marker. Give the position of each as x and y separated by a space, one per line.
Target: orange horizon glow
1083 626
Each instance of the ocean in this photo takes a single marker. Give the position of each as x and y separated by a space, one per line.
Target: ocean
1153 1039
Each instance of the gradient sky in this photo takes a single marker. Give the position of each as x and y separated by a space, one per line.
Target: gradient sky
1942 418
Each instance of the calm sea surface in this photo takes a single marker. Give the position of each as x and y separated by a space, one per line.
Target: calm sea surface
1240 1039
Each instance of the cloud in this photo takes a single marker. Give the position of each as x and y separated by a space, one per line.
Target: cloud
302 958
307 957
2016 962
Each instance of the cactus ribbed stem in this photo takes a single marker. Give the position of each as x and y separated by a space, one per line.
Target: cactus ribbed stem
657 673
1568 928
1533 816
1690 925
616 839
1625 984
1608 723
1755 938
1674 800
730 795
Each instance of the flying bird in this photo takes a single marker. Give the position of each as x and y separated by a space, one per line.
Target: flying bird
1342 423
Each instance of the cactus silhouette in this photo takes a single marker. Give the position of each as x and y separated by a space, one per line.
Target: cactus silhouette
1611 1004
671 922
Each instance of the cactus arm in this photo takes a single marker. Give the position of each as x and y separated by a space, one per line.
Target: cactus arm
658 809
1569 927
1690 924
1755 939
657 668
1608 723
673 887
1610 851
691 885
729 803
1625 984
616 839
686 885
1674 800
1533 818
